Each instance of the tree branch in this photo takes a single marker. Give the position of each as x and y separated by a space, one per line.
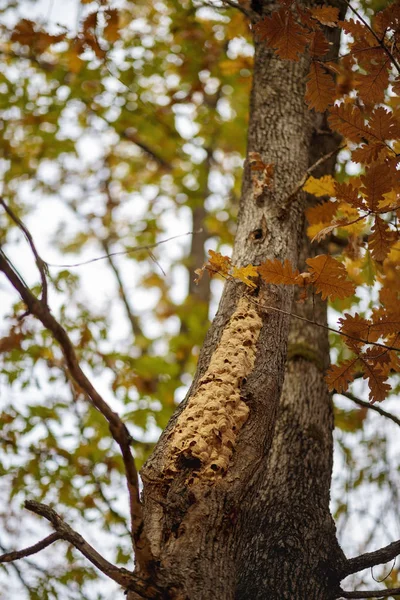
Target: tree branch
41 265
118 429
374 407
371 593
122 576
17 554
371 559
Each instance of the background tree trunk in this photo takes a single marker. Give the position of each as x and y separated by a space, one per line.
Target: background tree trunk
237 491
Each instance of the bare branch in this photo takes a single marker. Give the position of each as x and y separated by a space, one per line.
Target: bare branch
17 554
118 429
41 265
371 593
374 407
130 135
371 559
310 170
123 252
121 576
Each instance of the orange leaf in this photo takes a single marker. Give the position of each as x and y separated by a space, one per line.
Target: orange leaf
329 277
381 239
348 120
273 271
327 15
338 377
320 90
281 32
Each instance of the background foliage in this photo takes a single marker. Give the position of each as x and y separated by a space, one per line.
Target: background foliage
120 130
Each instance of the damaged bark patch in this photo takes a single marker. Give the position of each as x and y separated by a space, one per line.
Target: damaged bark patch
204 437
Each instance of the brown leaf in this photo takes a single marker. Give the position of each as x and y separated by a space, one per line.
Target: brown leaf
348 120
320 90
338 377
273 271
381 239
326 15
281 32
377 181
329 277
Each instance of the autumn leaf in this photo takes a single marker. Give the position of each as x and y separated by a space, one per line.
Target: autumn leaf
371 86
326 15
381 239
357 328
338 377
383 124
378 387
320 89
318 44
324 186
349 194
218 263
273 271
281 32
329 277
244 273
377 181
385 321
348 120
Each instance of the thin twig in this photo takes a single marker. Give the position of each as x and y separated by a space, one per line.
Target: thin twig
41 265
374 407
123 252
17 554
121 576
371 593
380 42
118 429
312 322
371 559
308 172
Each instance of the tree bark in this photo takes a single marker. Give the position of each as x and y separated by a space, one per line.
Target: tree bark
236 492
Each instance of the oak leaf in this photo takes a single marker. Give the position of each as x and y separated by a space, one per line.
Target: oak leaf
273 271
218 263
326 15
324 186
377 181
378 388
381 239
348 120
329 277
244 273
338 377
318 45
281 32
320 89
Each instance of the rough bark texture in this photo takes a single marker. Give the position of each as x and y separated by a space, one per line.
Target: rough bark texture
237 491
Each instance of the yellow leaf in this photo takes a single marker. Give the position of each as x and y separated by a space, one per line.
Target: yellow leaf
325 186
243 273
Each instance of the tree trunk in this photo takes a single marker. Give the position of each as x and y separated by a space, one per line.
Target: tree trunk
236 492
